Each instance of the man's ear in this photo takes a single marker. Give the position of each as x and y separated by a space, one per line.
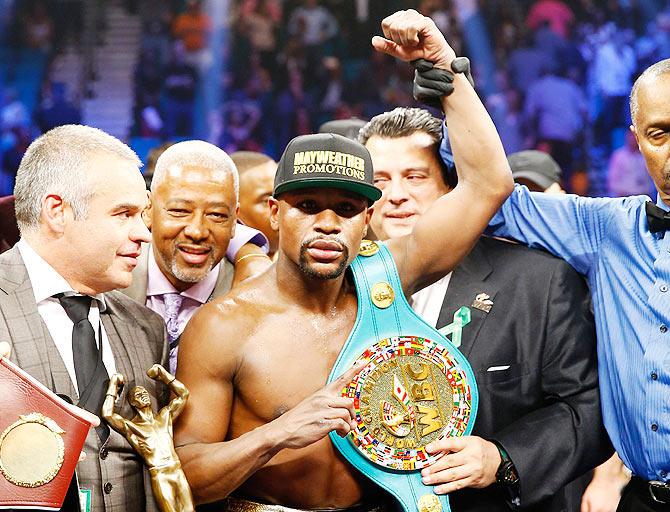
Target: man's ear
368 217
274 213
54 213
632 129
237 219
148 211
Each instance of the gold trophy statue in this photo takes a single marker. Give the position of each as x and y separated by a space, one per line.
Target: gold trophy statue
150 435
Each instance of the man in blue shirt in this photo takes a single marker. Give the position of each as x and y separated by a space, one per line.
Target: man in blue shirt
622 245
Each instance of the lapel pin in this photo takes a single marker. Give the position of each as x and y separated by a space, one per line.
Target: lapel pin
482 302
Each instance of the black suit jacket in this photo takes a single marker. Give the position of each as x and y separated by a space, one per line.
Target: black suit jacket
544 409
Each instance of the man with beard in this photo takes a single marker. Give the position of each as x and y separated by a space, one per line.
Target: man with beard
255 361
192 217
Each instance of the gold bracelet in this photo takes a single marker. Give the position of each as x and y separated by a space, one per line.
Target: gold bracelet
250 256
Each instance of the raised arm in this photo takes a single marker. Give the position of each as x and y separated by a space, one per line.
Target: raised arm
449 229
207 366
116 421
176 405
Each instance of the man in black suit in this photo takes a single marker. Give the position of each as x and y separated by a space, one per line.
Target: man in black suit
530 341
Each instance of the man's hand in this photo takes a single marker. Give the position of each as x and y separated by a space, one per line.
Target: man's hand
318 415
468 461
601 496
114 384
5 349
409 35
604 491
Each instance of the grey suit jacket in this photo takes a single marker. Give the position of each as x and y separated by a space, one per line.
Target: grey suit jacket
113 472
138 289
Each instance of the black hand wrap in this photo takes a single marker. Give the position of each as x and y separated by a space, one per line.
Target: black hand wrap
431 83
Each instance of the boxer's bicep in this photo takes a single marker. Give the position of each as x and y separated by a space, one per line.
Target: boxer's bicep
206 366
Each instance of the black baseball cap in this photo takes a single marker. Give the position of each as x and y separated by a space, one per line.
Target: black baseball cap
535 166
348 128
326 160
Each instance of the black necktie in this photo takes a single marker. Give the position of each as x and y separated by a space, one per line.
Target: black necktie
657 218
92 378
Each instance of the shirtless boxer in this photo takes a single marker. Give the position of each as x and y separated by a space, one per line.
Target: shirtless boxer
256 360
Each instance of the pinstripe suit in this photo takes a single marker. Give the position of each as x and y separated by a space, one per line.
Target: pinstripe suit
113 472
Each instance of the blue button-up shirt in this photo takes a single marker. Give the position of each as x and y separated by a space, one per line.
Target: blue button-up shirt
628 269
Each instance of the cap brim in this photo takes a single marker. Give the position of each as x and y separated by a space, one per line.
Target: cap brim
537 178
370 192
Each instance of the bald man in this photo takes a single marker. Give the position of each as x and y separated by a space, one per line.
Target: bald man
622 245
257 174
192 218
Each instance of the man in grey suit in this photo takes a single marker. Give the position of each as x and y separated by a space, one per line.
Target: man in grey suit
79 199
530 340
192 216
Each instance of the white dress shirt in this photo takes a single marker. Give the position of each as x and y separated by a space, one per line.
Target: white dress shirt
427 302
46 283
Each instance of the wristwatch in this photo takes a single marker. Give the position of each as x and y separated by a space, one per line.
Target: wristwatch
506 473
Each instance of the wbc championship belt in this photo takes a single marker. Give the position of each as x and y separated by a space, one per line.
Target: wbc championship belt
415 386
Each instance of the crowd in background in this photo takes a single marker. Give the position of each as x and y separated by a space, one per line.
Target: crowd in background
554 74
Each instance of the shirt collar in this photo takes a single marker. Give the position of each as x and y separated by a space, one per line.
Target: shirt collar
661 204
158 284
45 280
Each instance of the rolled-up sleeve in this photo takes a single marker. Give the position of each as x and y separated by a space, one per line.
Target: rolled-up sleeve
568 226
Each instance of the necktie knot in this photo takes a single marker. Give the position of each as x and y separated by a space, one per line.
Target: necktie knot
657 218
77 307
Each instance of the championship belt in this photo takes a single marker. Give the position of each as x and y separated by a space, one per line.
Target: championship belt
415 386
41 437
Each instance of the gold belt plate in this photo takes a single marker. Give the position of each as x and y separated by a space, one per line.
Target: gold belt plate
31 450
411 392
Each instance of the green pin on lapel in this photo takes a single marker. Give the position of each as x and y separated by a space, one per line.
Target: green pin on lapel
462 318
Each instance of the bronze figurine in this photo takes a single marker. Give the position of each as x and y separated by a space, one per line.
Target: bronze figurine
150 435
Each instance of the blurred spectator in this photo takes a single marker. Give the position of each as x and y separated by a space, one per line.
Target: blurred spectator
505 110
240 116
292 109
15 141
14 113
525 64
259 21
37 27
68 22
314 24
536 170
556 111
332 88
627 174
615 64
193 27
56 109
180 84
556 14
150 120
